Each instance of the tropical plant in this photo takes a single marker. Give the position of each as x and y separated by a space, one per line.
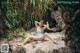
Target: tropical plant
22 13
17 32
10 35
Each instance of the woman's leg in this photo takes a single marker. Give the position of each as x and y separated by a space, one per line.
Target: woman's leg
27 39
47 35
30 37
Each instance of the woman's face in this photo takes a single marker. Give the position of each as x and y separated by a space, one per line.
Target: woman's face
41 23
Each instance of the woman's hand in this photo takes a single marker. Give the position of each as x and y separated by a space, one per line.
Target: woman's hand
36 23
44 27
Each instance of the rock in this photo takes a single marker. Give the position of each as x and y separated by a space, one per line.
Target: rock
20 49
45 46
62 50
39 51
72 38
59 19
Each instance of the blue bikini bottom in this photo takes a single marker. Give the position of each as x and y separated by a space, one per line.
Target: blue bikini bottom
39 35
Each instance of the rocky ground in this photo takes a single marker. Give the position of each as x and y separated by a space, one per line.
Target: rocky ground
46 46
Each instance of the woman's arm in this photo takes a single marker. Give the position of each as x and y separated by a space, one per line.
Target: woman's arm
47 26
36 24
44 27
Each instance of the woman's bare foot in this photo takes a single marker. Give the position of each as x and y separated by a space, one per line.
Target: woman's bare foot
55 43
17 45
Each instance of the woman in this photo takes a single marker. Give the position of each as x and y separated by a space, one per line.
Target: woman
40 33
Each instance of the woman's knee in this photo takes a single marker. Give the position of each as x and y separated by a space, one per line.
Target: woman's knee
29 36
45 33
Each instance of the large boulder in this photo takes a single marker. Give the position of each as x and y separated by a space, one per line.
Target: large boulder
45 46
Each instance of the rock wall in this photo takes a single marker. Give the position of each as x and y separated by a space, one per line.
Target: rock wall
73 33
68 19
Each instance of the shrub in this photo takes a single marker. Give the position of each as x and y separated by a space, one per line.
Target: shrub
17 32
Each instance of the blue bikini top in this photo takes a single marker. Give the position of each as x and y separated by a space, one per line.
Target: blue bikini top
40 31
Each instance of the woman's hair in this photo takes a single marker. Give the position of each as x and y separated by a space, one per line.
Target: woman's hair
42 21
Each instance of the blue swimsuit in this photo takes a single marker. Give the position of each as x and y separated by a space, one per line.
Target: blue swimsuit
40 32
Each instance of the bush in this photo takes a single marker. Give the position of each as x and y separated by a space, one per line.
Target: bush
17 32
